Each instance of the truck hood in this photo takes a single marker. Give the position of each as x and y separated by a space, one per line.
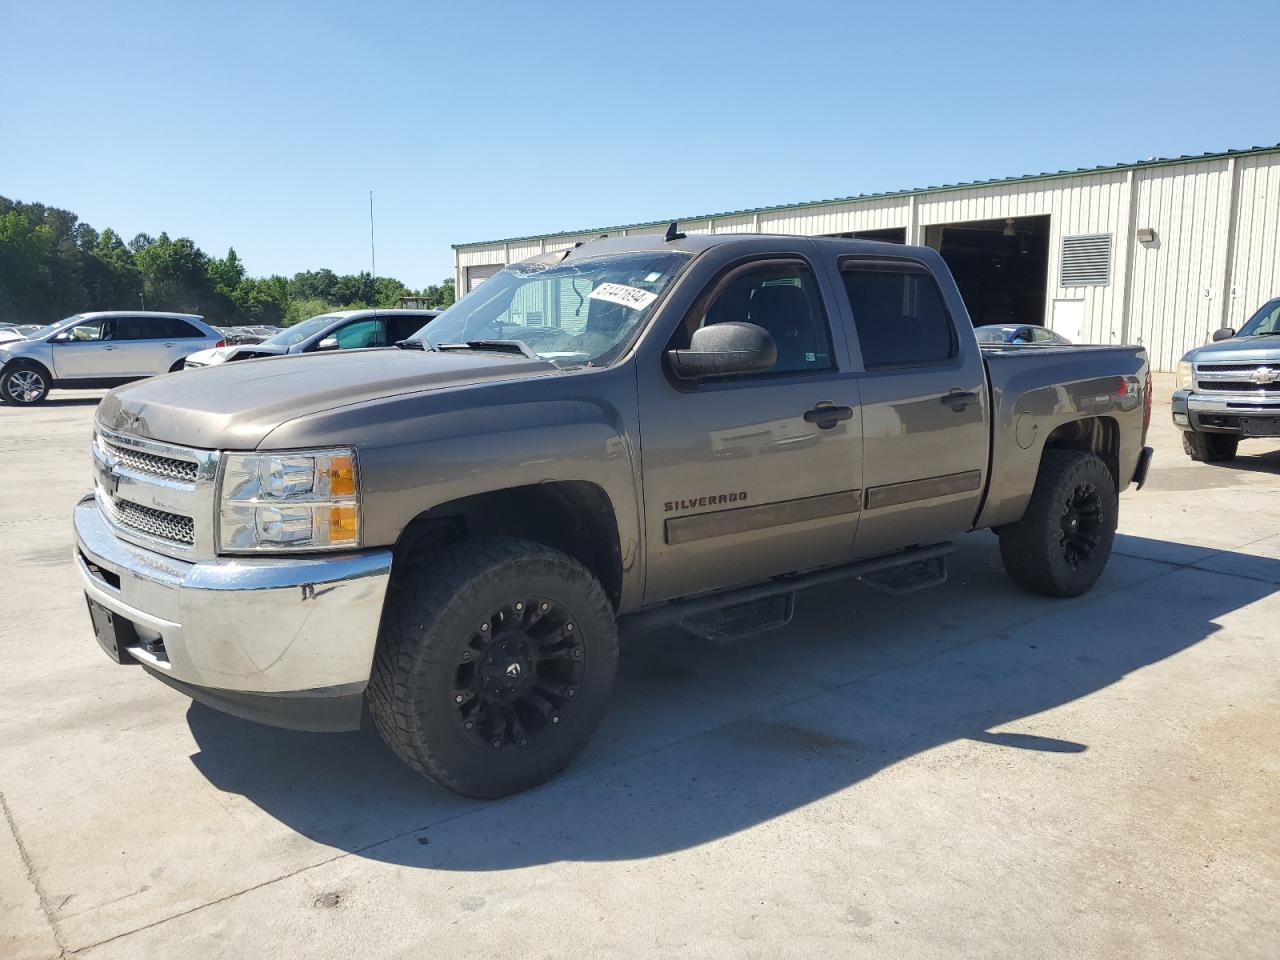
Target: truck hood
233 406
1242 349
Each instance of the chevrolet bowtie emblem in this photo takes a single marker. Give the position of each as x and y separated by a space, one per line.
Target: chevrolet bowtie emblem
1265 375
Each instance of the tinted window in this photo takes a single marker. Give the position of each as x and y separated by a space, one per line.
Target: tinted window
785 300
1041 335
402 328
175 329
361 333
899 315
139 328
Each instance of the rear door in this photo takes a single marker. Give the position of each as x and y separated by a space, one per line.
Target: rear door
181 339
141 347
924 402
752 476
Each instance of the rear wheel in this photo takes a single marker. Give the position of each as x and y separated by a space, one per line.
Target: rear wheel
24 386
1063 541
494 666
1209 447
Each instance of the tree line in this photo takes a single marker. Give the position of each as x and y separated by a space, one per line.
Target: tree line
53 265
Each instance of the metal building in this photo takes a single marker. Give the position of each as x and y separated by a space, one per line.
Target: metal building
1159 253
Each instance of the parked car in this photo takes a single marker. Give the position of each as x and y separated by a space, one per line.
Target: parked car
9 331
345 330
102 349
1229 390
639 430
1019 333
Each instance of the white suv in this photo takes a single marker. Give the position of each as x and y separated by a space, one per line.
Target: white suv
99 350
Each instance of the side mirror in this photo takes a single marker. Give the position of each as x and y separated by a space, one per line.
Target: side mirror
328 343
724 349
62 337
1226 333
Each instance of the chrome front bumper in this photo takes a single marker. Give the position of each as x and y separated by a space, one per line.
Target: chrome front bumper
283 628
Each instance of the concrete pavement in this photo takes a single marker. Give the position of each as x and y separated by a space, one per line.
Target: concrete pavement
970 771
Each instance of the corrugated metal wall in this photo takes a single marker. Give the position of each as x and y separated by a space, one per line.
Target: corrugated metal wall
1255 268
1168 295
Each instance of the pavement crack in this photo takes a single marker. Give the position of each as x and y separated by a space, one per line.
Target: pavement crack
34 878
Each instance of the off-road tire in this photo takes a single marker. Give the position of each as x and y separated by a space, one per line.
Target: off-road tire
1043 550
1209 447
8 383
431 620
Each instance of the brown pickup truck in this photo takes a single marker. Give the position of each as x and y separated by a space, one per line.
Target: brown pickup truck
640 430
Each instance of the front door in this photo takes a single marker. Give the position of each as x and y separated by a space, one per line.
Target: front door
924 405
751 477
86 351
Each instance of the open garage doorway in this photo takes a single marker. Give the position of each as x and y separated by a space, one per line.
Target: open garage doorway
1001 266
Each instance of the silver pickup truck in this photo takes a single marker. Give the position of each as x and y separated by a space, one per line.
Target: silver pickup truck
1229 390
638 431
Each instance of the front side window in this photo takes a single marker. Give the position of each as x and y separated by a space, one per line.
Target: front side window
899 315
94 330
783 299
290 336
1265 322
575 313
361 333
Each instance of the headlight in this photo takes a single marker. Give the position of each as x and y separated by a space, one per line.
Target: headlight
296 500
1186 379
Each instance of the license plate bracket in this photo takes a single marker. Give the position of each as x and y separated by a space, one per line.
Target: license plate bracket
114 633
1260 426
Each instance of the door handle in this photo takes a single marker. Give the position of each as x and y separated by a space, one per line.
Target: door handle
108 348
170 345
827 414
958 399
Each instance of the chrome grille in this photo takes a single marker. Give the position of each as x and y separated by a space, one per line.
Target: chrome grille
151 463
154 523
1254 379
158 495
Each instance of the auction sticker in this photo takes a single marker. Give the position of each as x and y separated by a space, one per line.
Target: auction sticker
632 297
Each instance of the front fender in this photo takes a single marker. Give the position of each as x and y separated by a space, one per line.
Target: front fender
419 451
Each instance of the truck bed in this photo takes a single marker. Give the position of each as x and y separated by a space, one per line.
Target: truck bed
1035 391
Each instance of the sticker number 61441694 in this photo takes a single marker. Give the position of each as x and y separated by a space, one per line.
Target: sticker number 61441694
632 297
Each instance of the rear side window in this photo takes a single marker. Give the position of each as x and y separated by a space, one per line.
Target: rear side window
899 315
402 328
175 329
140 328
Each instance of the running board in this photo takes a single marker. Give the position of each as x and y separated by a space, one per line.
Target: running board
918 566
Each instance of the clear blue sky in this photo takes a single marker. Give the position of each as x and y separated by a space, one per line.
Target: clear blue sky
264 125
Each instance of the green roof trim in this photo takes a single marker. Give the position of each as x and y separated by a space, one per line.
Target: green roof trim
891 194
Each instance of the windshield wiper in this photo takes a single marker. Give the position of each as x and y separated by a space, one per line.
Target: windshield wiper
423 344
494 346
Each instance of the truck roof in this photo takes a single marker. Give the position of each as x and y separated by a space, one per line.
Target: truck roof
697 243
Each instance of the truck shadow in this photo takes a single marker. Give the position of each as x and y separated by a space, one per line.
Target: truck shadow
705 741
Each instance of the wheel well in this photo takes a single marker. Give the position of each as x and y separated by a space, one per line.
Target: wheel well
20 363
570 515
1099 435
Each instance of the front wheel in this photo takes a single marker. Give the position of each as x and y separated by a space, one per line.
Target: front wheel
1209 447
24 386
1063 541
494 665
